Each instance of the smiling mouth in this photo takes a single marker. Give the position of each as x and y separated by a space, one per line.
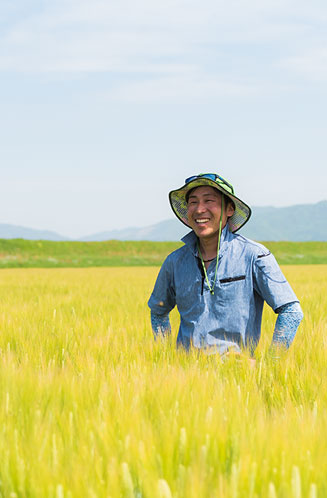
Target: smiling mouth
200 221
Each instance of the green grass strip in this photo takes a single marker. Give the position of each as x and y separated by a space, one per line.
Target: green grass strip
20 253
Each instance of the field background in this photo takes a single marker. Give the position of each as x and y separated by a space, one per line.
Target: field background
91 406
20 253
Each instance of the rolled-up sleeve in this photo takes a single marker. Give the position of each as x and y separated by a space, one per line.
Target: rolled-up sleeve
162 299
270 282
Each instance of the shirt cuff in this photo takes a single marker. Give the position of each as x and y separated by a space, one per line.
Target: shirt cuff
287 323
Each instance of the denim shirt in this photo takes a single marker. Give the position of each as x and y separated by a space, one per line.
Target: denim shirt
248 275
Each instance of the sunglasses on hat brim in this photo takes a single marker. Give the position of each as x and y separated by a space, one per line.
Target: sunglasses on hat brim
215 178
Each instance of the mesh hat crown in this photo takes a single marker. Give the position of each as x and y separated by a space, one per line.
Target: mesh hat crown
178 202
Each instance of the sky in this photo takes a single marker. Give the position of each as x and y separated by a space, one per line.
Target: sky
105 106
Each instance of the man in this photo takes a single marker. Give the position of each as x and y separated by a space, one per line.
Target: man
219 280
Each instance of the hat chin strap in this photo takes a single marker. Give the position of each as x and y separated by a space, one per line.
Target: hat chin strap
212 288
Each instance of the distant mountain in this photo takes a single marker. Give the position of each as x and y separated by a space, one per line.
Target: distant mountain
18 232
303 222
163 231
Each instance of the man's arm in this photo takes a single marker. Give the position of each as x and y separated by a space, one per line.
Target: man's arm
160 325
273 287
162 300
287 323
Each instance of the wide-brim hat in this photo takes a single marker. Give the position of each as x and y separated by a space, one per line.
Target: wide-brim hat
178 202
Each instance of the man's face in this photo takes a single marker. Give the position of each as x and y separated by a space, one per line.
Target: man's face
203 211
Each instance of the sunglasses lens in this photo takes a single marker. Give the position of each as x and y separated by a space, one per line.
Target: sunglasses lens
210 176
190 178
213 177
203 175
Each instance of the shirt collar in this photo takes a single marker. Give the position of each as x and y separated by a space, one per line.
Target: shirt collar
190 240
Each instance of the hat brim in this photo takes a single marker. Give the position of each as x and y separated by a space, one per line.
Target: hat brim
177 199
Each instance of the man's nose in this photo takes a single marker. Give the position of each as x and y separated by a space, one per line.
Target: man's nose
200 208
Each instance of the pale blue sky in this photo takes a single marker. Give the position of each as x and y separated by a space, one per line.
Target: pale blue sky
107 105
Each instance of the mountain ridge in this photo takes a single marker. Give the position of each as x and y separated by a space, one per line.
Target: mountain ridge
298 223
8 231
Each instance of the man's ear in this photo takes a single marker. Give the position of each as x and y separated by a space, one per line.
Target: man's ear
230 210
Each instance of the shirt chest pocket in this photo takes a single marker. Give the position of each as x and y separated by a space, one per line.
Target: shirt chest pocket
232 289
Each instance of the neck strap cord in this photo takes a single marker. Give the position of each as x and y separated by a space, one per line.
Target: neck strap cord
212 288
